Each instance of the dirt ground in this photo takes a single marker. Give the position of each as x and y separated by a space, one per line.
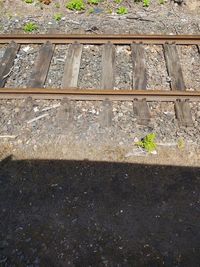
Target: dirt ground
83 213
104 7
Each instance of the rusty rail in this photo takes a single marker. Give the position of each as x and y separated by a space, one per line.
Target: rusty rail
91 95
99 39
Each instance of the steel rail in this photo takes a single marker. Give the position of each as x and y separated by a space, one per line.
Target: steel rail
92 95
99 39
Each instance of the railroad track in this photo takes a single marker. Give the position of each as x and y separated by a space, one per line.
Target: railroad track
69 88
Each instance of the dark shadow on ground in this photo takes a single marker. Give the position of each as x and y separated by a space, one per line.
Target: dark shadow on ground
81 213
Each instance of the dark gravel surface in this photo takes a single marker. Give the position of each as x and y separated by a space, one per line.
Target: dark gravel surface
81 213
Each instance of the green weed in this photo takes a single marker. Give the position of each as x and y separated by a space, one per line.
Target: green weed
1 3
77 5
148 143
57 5
93 2
91 10
28 1
122 10
30 27
57 16
146 3
109 11
181 143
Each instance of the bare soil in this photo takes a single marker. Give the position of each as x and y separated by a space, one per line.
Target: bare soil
82 213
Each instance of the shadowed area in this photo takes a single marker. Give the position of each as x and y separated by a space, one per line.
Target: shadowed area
81 213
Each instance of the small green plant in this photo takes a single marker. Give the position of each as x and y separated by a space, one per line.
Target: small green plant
93 2
118 1
57 5
148 143
122 10
30 27
1 3
9 15
57 16
146 3
91 10
181 143
77 5
161 2
28 1
109 11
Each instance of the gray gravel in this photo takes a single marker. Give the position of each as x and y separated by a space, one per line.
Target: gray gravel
56 70
82 120
124 68
90 68
190 63
157 75
23 66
